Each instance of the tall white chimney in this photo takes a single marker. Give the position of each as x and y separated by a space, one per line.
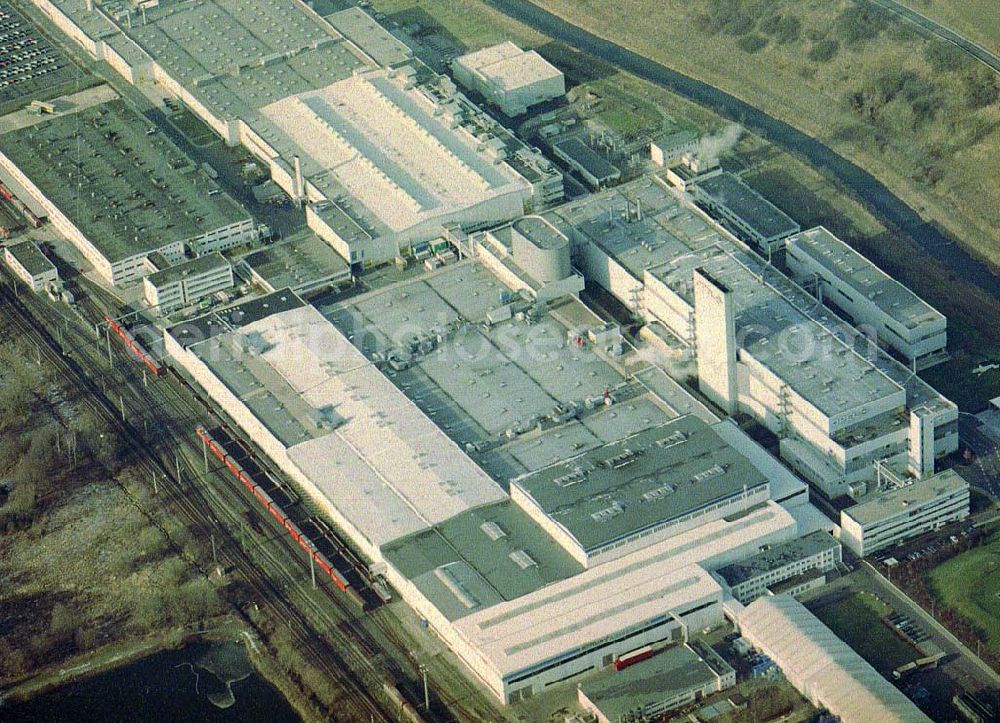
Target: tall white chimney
299 186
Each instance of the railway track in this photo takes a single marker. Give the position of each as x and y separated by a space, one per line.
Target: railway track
193 504
464 701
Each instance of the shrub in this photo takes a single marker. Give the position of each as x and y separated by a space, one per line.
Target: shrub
783 28
152 542
752 43
943 56
981 89
859 23
727 16
823 50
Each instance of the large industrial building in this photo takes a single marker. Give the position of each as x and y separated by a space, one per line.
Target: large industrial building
821 666
393 151
384 158
887 517
757 341
840 276
511 78
528 592
120 193
545 496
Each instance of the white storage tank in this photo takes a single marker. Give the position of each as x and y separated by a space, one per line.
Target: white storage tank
540 249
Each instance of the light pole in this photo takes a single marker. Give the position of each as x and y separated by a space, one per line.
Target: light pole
427 699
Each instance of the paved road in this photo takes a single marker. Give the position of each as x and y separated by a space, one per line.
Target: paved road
902 603
878 199
932 27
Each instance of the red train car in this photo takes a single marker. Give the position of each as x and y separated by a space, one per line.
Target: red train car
269 504
134 346
633 657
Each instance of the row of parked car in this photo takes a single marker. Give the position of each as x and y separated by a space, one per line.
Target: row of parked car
23 55
907 628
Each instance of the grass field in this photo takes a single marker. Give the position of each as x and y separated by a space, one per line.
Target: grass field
970 584
868 90
474 27
857 621
977 20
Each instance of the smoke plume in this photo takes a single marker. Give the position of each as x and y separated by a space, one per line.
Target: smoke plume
713 146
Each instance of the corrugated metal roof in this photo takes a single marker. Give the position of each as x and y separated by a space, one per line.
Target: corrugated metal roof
821 666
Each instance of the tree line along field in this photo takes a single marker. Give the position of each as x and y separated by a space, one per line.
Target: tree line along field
916 112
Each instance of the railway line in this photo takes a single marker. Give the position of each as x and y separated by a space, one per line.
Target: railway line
271 590
375 631
170 423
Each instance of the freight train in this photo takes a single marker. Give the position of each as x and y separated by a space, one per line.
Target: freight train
271 506
134 346
21 208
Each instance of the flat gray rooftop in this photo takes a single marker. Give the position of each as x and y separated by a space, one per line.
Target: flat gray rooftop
860 274
476 548
885 505
201 265
128 191
757 212
590 160
805 354
222 321
777 556
303 262
272 49
655 476
541 232
477 383
28 255
363 30
650 682
666 230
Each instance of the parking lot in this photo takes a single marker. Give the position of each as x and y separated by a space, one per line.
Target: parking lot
30 67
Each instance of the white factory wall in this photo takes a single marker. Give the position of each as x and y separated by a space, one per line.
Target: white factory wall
752 588
604 270
670 628
261 436
912 343
865 539
37 282
65 24
661 303
224 237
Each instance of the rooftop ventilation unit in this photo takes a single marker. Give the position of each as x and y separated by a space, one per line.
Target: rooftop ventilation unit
493 530
568 480
522 559
623 459
608 513
658 493
713 471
